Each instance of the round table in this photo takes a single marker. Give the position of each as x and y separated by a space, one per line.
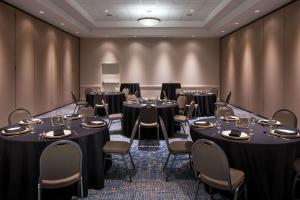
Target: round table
114 100
206 104
266 160
19 161
132 111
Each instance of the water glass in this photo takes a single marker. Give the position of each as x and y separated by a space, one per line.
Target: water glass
83 118
252 121
218 124
272 123
68 124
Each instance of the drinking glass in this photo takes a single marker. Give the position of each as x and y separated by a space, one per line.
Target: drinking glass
83 118
68 124
252 121
218 124
272 123
31 124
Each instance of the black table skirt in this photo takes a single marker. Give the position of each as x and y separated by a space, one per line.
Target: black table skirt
131 113
267 161
114 100
134 88
170 89
206 104
19 162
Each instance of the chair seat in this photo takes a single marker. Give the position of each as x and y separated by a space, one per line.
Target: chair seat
116 147
220 103
99 106
57 183
180 118
237 177
180 147
81 103
115 116
149 125
297 165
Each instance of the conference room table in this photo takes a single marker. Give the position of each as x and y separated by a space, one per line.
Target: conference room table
267 160
134 88
170 90
19 161
166 110
113 99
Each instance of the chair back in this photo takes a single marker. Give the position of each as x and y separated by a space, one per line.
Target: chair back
178 90
73 96
134 130
181 101
105 107
224 111
286 117
87 111
88 91
61 160
191 109
148 114
215 91
228 98
211 163
131 98
189 98
165 94
18 115
125 91
164 131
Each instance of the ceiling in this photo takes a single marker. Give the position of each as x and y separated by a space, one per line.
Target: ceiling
118 18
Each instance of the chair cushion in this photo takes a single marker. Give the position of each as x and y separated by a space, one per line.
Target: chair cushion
57 183
180 118
237 177
118 147
149 124
180 147
297 165
115 116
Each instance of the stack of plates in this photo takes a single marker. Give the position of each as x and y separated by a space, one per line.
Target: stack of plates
241 136
94 124
202 124
15 130
33 121
57 134
285 133
267 122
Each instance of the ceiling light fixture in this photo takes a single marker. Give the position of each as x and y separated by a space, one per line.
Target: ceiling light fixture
257 11
62 24
192 10
148 21
76 32
236 23
222 31
42 12
106 11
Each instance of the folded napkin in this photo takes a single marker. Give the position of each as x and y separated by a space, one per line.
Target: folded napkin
285 132
58 132
13 129
235 133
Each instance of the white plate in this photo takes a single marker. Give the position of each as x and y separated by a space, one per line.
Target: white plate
266 122
35 120
72 117
50 134
244 136
231 118
17 130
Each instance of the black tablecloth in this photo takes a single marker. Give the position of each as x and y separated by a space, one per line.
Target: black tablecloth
115 101
132 111
19 162
206 104
134 88
266 160
170 89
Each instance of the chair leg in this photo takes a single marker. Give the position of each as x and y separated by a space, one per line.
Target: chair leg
198 184
166 162
190 161
75 109
131 161
183 128
294 185
39 192
157 132
236 193
139 135
80 188
128 170
109 123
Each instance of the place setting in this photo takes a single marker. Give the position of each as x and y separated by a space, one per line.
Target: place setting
202 124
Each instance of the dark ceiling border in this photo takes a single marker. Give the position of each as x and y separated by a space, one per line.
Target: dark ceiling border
279 8
17 8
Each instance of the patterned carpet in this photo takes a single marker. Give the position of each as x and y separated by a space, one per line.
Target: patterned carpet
148 181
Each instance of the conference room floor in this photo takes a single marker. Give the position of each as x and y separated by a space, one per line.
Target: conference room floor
149 180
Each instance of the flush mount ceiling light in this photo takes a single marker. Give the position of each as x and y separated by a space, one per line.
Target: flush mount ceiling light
149 21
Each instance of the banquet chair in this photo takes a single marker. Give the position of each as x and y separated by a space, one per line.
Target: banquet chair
87 111
215 91
88 91
99 105
224 111
212 168
182 119
165 95
219 104
60 166
297 176
78 103
189 98
18 115
112 117
286 117
148 119
131 98
126 92
181 101
176 147
121 148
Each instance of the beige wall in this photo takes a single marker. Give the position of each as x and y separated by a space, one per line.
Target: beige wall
151 61
39 64
260 63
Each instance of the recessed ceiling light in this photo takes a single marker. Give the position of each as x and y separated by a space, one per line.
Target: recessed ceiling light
62 24
236 23
42 12
106 11
192 10
76 32
257 11
222 31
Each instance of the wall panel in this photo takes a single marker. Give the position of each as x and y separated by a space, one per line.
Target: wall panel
273 62
67 63
7 62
